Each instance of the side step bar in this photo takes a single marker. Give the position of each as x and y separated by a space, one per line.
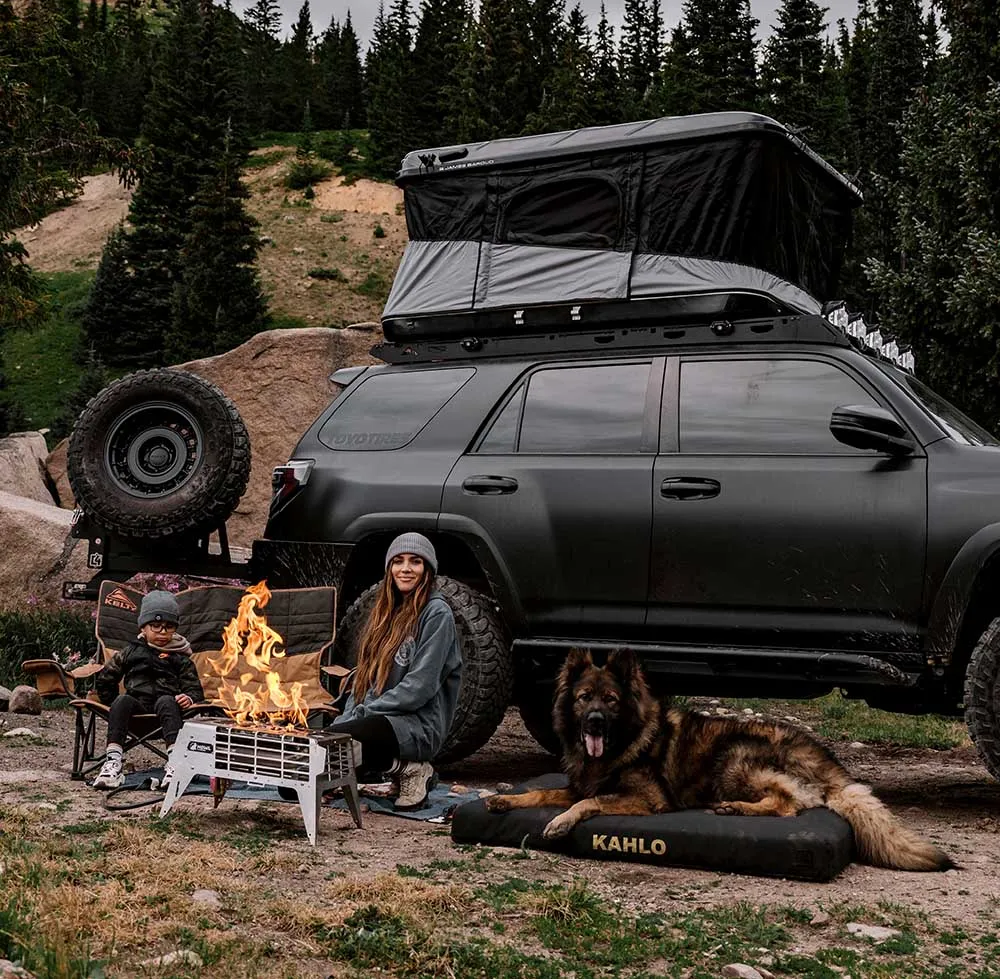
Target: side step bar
816 666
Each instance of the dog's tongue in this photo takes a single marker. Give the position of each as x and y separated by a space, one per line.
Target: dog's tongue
595 745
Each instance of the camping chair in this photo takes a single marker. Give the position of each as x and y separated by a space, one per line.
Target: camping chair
304 617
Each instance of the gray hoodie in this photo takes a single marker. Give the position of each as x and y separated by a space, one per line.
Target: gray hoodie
421 694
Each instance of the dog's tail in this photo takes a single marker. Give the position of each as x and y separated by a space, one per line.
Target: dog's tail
880 838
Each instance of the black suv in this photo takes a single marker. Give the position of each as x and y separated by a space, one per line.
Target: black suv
699 465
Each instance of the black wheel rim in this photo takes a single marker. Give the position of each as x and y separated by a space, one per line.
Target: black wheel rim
153 449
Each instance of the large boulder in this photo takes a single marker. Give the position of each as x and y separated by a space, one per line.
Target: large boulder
55 465
24 700
22 466
279 381
38 554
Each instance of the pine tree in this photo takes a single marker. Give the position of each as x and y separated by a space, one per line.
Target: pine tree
718 45
546 34
295 81
605 91
568 101
217 302
392 103
350 95
973 63
437 52
262 25
495 95
633 64
793 63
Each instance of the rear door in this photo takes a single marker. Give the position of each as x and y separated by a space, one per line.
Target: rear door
556 490
767 531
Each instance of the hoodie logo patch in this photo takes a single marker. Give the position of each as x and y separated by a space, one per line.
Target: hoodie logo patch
118 599
404 655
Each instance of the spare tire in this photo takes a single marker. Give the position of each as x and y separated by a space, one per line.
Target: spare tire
159 453
487 665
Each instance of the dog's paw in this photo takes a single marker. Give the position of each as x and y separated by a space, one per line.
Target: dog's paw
498 803
559 826
725 810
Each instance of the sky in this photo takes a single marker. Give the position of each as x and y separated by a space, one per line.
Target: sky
363 12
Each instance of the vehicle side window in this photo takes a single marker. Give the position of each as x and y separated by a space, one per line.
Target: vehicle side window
388 410
772 407
594 410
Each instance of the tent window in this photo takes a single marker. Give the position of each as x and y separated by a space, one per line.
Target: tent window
582 212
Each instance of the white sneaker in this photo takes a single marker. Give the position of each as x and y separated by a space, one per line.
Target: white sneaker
415 781
111 775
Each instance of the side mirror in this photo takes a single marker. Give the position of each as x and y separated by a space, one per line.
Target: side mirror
870 427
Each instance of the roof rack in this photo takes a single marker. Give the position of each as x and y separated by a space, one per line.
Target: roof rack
775 329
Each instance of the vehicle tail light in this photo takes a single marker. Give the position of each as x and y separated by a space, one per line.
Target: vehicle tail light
289 478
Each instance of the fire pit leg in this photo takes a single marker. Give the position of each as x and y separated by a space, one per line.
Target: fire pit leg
177 788
309 803
353 799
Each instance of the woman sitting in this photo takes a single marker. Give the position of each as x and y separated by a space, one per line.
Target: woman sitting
405 687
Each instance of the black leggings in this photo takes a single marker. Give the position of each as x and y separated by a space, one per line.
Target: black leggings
124 706
379 747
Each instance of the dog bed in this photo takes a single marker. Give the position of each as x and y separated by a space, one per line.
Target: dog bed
815 845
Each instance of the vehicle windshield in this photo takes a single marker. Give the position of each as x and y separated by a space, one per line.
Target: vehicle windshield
958 425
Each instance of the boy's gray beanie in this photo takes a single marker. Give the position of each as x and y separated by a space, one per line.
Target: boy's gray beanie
412 543
159 606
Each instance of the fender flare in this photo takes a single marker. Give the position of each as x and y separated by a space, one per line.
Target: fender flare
952 600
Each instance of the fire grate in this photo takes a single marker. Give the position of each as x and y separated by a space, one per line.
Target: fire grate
307 762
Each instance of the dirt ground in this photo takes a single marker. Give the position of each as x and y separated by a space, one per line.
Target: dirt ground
946 795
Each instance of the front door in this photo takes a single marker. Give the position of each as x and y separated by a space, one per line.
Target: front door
557 491
767 531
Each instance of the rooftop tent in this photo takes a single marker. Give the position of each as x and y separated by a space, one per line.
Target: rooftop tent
716 203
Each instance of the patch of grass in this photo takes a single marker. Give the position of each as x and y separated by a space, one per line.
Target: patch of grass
379 231
285 321
260 161
374 285
40 362
327 274
836 717
334 217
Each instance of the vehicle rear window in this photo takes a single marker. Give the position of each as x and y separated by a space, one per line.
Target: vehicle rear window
387 411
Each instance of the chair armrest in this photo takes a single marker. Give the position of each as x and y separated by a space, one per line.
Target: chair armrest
85 671
50 678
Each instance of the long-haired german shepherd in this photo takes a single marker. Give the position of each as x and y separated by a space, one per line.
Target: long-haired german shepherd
627 753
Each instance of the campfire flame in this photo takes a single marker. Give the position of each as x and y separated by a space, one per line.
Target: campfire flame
259 697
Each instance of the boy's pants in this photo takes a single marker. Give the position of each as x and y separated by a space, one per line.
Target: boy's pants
125 705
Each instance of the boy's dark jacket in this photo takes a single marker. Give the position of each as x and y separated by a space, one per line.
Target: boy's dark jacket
149 673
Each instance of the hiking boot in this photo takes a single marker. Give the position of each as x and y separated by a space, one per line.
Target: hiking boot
111 775
416 778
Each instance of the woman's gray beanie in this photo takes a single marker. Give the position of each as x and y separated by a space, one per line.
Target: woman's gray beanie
159 606
412 543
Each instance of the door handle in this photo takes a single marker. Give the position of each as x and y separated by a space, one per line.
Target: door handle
490 485
689 488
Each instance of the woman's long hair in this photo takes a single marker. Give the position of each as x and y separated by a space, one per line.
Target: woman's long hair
392 620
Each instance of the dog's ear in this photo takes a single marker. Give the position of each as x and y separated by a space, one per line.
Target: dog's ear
624 664
577 660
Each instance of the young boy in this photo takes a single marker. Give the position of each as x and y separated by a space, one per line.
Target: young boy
160 678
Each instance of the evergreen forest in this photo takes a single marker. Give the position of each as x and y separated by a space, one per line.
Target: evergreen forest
173 94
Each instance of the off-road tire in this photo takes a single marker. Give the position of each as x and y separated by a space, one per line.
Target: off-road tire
487 665
982 697
537 719
159 453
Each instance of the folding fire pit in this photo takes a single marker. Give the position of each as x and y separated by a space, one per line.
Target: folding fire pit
310 763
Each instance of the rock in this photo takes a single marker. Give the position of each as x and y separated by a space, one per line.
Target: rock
22 466
748 710
286 369
4 697
183 956
458 789
206 898
875 932
20 732
368 326
10 971
764 974
740 971
55 465
819 919
25 700
857 744
47 806
38 553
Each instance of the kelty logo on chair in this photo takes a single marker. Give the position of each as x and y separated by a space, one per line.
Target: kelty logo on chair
119 599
